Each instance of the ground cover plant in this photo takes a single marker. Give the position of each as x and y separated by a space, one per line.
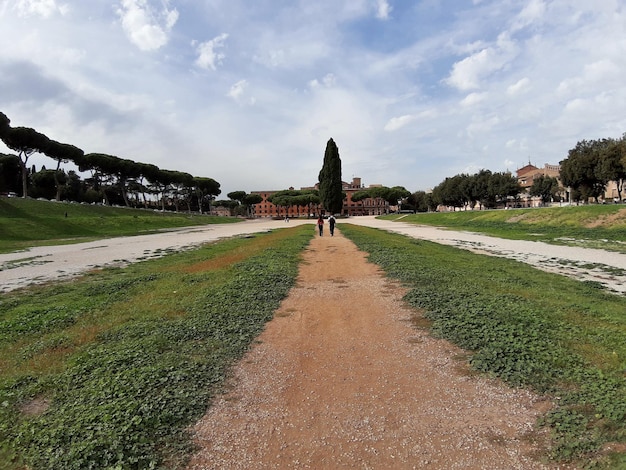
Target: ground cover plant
109 370
591 226
29 222
531 328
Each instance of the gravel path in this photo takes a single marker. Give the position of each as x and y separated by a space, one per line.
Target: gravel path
340 378
44 264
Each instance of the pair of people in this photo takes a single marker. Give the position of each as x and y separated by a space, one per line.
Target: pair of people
331 225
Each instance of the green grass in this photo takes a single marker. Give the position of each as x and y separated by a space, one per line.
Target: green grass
530 328
110 370
592 226
27 222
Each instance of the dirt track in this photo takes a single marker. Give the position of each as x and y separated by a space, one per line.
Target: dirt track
48 263
342 378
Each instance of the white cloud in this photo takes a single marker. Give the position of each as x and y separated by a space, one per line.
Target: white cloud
473 99
328 81
238 93
147 28
603 71
383 9
518 87
208 56
399 122
532 12
482 125
468 73
45 8
477 86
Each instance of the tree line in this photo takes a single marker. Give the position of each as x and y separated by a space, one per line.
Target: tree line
113 180
591 165
585 173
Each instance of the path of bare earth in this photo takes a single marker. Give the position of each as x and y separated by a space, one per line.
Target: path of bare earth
342 378
49 263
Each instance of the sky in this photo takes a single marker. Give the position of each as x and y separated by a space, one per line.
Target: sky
248 92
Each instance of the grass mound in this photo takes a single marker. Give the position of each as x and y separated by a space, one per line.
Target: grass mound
28 222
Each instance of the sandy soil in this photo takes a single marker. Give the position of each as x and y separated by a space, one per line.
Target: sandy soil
43 264
343 377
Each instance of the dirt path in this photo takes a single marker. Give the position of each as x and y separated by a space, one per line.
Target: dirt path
340 378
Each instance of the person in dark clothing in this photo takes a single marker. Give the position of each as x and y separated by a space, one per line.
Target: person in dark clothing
320 225
331 225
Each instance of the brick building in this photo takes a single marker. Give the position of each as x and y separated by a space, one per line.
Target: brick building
369 206
527 175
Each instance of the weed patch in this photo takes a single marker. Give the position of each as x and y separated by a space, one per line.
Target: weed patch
530 328
135 354
590 226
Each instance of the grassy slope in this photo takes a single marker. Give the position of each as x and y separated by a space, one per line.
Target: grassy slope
124 360
28 222
597 226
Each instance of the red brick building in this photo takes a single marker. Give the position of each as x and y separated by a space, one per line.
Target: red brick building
369 206
527 175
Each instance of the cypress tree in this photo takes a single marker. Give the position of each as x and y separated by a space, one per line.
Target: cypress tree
331 191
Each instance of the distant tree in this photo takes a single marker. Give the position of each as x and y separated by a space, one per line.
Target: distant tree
249 201
237 196
5 125
421 201
161 180
149 173
74 188
612 164
579 170
10 173
360 195
501 186
307 198
181 185
119 170
244 201
25 141
285 198
330 185
230 204
545 187
44 183
395 195
206 189
478 189
62 153
452 191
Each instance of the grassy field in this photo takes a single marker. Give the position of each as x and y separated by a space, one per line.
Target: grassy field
591 226
109 370
28 222
530 328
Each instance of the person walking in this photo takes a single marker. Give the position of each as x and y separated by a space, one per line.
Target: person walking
331 225
320 225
